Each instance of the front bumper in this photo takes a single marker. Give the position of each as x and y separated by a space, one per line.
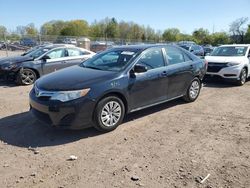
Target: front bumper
232 72
76 114
8 74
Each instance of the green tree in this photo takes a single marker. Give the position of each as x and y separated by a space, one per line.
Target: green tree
95 30
21 30
53 27
111 28
238 30
76 28
124 30
150 33
220 38
171 35
247 36
136 31
31 29
201 36
3 31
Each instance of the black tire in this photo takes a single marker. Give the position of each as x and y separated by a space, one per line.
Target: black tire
26 77
193 90
101 114
243 77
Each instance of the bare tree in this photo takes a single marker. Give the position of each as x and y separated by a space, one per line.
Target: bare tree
238 30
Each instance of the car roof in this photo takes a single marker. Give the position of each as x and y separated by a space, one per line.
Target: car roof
232 45
140 47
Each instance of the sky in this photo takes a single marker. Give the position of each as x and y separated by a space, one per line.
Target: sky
186 15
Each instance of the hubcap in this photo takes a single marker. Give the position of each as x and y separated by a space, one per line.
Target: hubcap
194 89
243 76
111 113
27 77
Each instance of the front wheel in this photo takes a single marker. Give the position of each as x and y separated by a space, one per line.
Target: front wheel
26 77
193 91
109 114
243 77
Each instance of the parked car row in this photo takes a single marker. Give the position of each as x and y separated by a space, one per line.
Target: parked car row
193 48
102 88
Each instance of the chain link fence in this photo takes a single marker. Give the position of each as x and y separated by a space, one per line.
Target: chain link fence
13 44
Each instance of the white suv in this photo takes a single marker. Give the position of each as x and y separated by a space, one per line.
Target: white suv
230 62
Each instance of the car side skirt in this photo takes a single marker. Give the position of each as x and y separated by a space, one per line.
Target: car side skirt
154 104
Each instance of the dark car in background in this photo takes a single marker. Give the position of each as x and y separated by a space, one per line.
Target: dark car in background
101 46
28 42
208 49
35 63
118 81
193 48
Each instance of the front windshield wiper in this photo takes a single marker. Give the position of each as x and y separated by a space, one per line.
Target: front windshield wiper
90 67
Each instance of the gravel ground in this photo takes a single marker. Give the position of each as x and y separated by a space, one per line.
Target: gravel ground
3 53
175 145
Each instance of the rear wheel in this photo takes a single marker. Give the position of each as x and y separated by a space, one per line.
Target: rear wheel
26 77
243 77
109 114
193 90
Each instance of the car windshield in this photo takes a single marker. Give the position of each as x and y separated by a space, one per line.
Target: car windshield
229 51
185 47
30 50
113 60
37 53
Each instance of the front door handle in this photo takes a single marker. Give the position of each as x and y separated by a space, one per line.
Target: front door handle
164 74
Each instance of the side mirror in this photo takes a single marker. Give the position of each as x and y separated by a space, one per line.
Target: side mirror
139 68
45 57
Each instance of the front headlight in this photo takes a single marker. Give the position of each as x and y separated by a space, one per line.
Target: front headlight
65 96
232 64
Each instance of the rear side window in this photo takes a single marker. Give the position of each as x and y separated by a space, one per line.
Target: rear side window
175 56
84 53
152 59
58 53
76 52
73 52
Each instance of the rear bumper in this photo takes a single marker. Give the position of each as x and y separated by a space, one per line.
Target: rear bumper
76 114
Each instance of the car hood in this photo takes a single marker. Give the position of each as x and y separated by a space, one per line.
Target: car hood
223 59
73 78
15 59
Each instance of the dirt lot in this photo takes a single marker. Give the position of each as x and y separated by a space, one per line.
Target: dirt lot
3 53
171 145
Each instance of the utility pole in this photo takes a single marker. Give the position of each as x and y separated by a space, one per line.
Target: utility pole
6 44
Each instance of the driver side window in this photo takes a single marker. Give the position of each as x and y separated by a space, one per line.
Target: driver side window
152 59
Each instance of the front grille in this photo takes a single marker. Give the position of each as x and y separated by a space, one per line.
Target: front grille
216 67
41 116
44 98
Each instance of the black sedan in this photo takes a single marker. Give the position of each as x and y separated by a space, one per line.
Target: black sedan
115 82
